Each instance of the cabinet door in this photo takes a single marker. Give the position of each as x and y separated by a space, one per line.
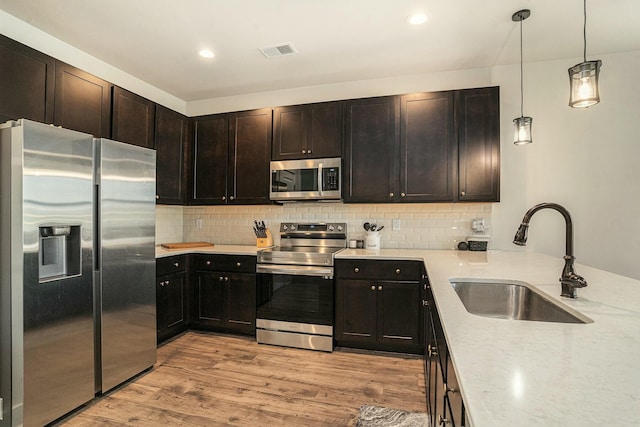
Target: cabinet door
211 146
324 130
170 142
427 148
161 308
433 379
133 119
399 313
210 299
175 288
82 102
371 150
26 83
289 133
356 311
249 155
479 145
241 302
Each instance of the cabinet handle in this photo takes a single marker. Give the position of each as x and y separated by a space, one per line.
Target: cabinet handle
380 287
304 151
220 279
238 264
390 194
402 194
226 279
373 287
157 197
177 264
230 197
462 193
442 421
397 271
308 151
208 262
224 197
357 270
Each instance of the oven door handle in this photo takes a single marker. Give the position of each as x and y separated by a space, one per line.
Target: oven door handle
296 270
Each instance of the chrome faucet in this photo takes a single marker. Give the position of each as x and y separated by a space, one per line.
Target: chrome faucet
570 280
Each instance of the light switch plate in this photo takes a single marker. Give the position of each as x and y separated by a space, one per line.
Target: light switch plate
395 225
199 223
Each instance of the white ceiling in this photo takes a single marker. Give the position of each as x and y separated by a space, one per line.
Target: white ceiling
337 40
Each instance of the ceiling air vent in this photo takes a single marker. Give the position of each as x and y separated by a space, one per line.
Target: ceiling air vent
278 50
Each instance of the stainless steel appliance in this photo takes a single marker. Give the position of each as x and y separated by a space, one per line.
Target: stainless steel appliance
296 288
77 294
311 179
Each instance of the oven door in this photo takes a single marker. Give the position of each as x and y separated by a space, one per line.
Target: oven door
288 294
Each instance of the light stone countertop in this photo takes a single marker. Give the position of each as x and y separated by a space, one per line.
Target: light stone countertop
216 249
523 373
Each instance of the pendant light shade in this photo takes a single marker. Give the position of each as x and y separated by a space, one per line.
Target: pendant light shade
583 77
522 130
522 124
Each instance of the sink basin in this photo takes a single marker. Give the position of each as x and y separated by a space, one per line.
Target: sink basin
512 300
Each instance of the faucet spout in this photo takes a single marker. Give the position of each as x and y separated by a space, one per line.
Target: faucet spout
569 280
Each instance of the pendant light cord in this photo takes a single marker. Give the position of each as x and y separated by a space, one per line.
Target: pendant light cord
521 73
584 31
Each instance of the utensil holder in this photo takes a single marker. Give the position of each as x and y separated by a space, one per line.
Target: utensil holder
372 240
265 242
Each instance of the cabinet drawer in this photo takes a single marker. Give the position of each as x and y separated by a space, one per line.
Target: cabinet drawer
378 270
170 265
228 263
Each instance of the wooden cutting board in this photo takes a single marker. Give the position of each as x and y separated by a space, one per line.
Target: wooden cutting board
186 245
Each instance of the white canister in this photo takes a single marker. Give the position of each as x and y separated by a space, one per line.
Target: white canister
372 240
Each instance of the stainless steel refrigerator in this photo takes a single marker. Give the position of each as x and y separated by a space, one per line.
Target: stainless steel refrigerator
77 277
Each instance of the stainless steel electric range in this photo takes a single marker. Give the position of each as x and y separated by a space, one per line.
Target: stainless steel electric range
296 288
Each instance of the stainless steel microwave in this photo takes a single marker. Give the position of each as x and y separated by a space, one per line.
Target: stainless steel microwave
311 179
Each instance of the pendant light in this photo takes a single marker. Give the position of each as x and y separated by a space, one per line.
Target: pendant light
583 77
521 125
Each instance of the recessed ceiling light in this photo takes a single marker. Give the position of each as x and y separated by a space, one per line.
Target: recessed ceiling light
206 53
417 19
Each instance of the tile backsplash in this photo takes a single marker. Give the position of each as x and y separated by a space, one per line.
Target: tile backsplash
423 226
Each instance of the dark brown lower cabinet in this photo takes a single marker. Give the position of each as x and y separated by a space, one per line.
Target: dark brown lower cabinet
225 300
383 309
172 302
444 400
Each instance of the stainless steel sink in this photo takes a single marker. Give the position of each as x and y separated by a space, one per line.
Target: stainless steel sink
512 300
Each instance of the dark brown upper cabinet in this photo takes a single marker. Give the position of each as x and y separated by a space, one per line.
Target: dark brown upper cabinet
307 131
250 134
172 133
210 162
371 150
231 158
479 145
82 102
427 148
133 118
26 83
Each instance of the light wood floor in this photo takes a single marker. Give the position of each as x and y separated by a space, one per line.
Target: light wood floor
214 380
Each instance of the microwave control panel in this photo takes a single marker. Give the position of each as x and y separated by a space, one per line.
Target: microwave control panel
330 179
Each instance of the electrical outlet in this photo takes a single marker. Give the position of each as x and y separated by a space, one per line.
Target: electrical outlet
199 223
395 225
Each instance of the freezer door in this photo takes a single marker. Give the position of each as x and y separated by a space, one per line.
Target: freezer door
50 200
126 265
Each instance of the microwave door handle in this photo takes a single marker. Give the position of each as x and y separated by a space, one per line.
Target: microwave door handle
320 186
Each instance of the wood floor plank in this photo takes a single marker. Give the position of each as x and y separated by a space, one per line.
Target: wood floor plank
220 380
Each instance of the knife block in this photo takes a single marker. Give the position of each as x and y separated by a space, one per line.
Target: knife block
265 242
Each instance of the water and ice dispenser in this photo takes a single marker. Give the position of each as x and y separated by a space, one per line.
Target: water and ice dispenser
59 254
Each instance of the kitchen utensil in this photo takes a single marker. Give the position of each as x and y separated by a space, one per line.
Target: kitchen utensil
366 226
380 229
373 227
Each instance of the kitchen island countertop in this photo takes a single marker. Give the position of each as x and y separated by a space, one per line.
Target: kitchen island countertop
524 373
